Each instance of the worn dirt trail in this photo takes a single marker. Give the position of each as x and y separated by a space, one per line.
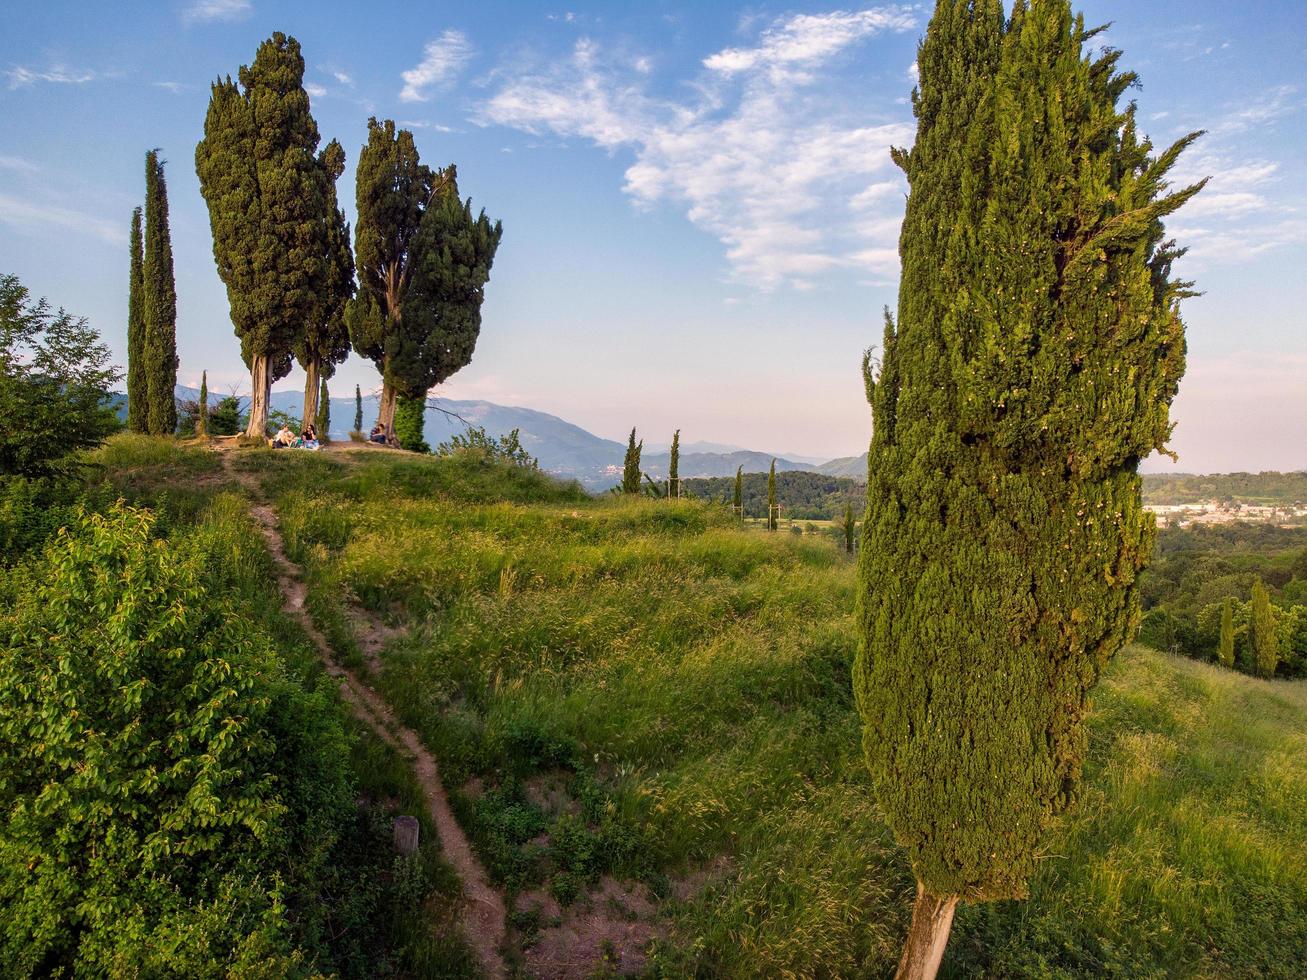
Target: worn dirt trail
484 915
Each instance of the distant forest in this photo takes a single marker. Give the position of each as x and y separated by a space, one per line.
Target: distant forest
1250 488
803 496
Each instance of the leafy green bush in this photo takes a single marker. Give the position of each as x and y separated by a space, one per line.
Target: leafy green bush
135 764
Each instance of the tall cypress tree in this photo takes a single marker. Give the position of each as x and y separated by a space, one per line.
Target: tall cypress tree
772 522
850 525
158 305
266 189
202 416
674 466
1037 350
737 500
358 409
322 420
631 465
138 388
1225 651
1263 644
324 342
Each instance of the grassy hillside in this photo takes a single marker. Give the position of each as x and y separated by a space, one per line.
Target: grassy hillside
643 689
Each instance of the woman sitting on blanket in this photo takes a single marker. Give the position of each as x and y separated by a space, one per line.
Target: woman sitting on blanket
308 437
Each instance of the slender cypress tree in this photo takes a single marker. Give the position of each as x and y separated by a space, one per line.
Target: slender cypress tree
674 466
1262 641
322 420
850 526
1225 652
772 522
138 388
738 499
358 409
1037 351
631 465
324 342
202 416
267 192
159 305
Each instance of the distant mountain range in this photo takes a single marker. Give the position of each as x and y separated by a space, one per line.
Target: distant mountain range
564 449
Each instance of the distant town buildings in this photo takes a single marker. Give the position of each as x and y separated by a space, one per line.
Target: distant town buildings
1227 512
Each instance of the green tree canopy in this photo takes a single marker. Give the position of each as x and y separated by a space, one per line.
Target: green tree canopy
55 380
1037 350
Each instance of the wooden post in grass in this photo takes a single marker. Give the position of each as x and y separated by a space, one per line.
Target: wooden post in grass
406 835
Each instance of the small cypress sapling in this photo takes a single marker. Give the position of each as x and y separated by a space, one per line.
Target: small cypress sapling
323 421
631 465
673 466
738 501
1263 644
202 416
358 409
771 498
1225 652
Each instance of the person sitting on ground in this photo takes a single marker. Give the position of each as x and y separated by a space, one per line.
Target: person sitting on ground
284 438
378 434
308 437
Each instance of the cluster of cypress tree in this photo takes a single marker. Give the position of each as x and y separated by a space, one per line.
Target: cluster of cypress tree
152 313
279 241
1037 350
423 262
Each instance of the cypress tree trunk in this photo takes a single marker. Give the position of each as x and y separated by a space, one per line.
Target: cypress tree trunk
932 918
138 387
312 382
386 411
260 384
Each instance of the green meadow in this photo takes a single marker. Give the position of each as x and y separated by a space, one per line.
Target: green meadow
681 682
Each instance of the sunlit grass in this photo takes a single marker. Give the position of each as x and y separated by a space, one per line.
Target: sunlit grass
691 677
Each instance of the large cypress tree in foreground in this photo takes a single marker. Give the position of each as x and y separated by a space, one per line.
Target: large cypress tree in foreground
268 209
138 388
158 305
631 465
1037 351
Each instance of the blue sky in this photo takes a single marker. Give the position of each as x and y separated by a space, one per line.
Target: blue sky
700 214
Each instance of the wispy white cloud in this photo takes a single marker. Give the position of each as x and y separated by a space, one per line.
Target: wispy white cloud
443 59
315 91
761 158
18 164
27 215
207 11
20 76
176 88
343 78
808 39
